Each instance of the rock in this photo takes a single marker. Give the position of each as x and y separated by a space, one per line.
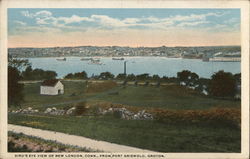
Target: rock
48 110
70 111
110 110
57 112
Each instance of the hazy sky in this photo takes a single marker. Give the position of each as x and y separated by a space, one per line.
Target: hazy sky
123 27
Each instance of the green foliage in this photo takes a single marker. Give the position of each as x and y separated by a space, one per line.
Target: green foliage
78 75
12 148
38 74
230 117
131 77
187 77
222 84
149 135
237 77
106 76
39 141
19 64
15 66
166 96
156 77
94 110
15 95
121 76
144 76
184 75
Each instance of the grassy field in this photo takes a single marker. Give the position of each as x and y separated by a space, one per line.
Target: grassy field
168 97
32 97
150 135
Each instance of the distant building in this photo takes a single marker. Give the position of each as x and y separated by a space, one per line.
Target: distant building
51 87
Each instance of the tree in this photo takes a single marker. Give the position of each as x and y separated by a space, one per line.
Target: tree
194 76
69 76
237 77
81 75
106 75
38 74
15 89
190 78
27 73
15 95
19 64
156 77
222 84
121 76
144 76
184 75
131 77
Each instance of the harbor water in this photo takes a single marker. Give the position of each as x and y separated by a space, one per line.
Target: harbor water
161 66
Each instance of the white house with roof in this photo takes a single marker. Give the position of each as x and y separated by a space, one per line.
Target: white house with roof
51 87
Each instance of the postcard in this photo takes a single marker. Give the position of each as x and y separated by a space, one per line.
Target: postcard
124 79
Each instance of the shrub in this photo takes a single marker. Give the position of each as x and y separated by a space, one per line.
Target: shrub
80 108
214 116
94 110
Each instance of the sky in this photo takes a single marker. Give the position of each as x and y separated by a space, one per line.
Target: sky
48 27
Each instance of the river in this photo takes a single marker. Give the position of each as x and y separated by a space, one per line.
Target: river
161 66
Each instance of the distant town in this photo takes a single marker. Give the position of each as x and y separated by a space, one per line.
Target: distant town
118 51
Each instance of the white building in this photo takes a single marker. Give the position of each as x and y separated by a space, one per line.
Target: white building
51 87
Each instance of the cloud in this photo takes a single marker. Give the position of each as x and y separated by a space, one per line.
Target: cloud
73 19
105 22
20 23
42 14
192 23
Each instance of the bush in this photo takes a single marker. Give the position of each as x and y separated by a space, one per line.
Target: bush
214 116
222 84
78 75
80 108
94 110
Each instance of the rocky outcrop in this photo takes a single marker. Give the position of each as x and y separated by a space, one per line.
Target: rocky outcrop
54 111
123 113
28 110
70 111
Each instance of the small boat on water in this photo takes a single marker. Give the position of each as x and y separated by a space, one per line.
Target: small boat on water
61 59
86 59
95 61
117 58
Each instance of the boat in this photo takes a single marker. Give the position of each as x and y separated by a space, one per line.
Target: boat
86 59
117 58
61 59
95 61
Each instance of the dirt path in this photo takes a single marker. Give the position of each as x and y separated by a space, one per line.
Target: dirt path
74 140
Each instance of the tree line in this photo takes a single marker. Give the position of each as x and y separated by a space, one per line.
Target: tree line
221 84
